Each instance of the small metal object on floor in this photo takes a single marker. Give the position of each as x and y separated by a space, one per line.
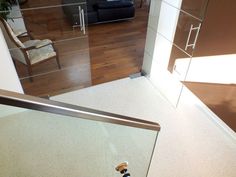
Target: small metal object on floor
133 76
45 97
123 169
136 75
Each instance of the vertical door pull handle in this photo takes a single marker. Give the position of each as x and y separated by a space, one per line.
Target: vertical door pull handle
83 21
195 39
80 17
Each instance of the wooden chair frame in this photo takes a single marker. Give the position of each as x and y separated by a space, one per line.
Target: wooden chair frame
25 49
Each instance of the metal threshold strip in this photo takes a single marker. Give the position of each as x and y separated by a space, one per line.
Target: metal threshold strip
40 104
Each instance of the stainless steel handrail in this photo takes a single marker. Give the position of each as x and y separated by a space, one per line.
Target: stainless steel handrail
40 104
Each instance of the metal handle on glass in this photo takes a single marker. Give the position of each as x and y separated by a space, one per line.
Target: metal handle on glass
83 21
80 18
189 35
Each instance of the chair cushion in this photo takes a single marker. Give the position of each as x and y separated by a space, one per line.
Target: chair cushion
40 54
114 4
90 8
92 17
116 13
37 43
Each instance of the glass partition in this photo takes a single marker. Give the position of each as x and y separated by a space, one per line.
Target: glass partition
211 76
196 9
35 143
180 29
93 42
174 44
186 33
48 41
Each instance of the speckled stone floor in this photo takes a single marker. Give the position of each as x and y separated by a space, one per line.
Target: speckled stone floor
190 143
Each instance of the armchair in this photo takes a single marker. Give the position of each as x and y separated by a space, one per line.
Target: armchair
30 52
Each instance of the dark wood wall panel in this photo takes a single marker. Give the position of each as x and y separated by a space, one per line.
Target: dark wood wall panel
218 37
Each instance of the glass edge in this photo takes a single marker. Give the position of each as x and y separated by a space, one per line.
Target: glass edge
40 104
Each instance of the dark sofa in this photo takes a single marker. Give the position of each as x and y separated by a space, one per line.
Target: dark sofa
99 11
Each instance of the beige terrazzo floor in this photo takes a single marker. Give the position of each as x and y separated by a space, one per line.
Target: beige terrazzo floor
189 144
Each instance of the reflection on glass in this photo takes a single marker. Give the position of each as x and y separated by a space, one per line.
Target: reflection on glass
179 28
186 32
69 52
195 8
175 62
44 40
212 79
212 71
33 141
46 3
54 23
178 70
74 73
116 53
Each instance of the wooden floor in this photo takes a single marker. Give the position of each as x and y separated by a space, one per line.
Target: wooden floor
111 51
117 49
220 98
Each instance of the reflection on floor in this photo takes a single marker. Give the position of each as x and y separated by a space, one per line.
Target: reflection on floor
220 98
116 51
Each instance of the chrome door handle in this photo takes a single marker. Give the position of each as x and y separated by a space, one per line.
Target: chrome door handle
80 17
83 21
195 39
